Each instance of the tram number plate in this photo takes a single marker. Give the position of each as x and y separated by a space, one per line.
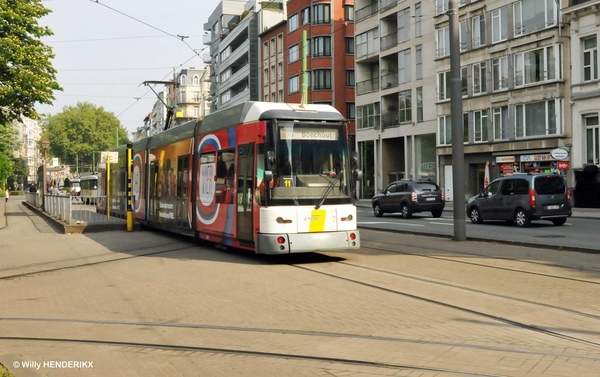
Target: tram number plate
553 207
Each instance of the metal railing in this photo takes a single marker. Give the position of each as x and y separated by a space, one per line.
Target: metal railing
81 209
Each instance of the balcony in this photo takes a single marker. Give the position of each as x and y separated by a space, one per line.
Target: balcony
367 86
389 41
367 11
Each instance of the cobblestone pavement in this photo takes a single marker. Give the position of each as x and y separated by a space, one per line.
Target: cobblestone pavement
151 304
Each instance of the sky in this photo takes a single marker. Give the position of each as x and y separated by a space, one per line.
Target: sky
104 50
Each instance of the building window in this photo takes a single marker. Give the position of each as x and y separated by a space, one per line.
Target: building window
500 123
348 12
499 25
479 78
293 53
417 19
350 77
273 74
225 96
462 37
196 111
443 42
272 46
590 59
294 84
367 43
441 6
537 118
478 30
533 15
280 70
225 75
404 22
292 22
273 99
404 65
266 76
368 116
349 45
404 106
420 104
419 62
592 132
281 99
266 98
306 16
225 54
196 80
322 46
182 80
322 79
322 14
350 110
464 73
500 73
480 126
280 43
443 86
538 65
445 130
465 128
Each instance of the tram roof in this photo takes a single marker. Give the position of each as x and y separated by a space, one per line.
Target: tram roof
252 111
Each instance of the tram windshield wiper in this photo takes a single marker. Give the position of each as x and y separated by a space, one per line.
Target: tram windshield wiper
328 189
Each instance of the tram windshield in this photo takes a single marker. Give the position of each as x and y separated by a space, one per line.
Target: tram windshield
310 163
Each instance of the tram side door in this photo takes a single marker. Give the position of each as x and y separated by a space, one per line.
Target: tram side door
245 187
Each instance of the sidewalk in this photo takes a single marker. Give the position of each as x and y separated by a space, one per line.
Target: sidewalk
585 213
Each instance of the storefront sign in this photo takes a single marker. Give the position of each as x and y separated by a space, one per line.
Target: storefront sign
559 154
537 157
427 166
505 159
563 165
504 167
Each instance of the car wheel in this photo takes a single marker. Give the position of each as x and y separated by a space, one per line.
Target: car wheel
475 216
377 210
437 213
406 212
559 222
521 218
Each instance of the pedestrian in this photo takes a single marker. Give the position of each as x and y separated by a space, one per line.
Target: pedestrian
7 194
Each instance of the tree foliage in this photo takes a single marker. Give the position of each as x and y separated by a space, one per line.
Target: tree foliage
27 76
79 131
8 143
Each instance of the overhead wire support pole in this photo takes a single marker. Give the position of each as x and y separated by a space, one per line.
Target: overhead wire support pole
456 117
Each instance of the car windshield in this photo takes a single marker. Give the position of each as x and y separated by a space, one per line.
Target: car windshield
311 160
549 185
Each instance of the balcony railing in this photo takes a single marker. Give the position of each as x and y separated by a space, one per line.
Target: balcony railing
367 86
389 80
367 11
389 41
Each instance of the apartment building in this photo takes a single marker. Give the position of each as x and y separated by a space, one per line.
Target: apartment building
233 41
395 65
29 133
583 18
329 26
274 62
516 90
189 95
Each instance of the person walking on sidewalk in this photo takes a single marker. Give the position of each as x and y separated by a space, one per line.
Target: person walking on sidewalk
7 195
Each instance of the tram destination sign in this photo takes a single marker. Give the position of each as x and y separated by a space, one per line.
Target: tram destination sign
302 133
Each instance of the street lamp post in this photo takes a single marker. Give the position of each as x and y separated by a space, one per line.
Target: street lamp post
45 145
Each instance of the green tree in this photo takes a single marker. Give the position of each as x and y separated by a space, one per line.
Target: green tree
27 76
79 131
8 143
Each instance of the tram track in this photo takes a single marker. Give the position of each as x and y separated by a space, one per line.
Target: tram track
38 272
449 259
241 352
493 317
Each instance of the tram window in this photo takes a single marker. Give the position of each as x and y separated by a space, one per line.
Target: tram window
182 176
225 176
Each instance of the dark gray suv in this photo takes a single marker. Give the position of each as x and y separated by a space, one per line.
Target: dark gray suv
407 197
522 198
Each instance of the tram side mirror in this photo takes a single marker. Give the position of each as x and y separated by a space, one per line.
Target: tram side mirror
268 177
271 158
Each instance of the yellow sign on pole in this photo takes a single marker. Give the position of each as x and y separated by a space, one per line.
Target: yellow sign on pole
108 186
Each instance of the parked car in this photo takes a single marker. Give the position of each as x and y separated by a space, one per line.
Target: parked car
407 197
522 198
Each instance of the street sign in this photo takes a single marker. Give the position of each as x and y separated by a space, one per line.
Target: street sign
114 157
563 165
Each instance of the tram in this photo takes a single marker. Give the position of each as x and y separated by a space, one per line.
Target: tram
272 178
88 184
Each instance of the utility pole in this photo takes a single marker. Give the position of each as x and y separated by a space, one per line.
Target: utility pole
456 109
117 137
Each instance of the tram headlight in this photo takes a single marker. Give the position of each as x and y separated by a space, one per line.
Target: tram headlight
281 220
347 218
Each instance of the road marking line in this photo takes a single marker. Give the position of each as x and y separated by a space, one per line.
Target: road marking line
441 223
